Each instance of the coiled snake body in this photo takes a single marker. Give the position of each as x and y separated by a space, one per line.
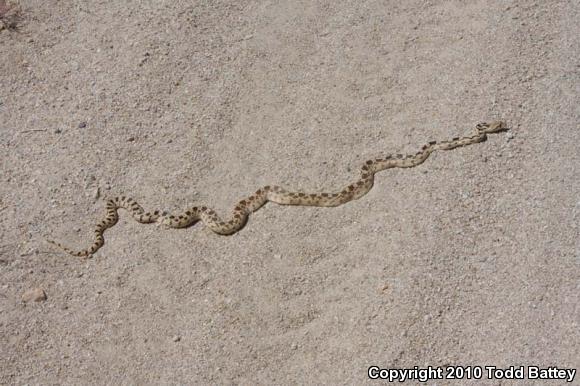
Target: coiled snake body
276 194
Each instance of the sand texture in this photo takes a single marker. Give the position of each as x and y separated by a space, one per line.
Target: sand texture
472 258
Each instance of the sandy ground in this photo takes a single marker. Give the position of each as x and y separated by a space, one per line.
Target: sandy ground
472 258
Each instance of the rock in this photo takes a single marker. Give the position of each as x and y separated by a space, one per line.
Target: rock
176 338
82 125
34 294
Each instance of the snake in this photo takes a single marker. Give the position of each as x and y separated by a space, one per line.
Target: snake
271 193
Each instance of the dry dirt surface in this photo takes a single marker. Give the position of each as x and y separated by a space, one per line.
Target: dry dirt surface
470 259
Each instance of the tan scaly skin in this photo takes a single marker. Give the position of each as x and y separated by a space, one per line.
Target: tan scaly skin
276 194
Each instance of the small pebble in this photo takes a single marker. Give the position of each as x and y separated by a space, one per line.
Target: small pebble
176 338
130 139
34 294
57 131
82 125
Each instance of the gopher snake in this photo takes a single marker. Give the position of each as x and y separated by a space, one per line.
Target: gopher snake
277 194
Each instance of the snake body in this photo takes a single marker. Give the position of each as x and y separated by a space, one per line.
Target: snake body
275 194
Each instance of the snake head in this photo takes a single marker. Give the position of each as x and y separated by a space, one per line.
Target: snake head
492 127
